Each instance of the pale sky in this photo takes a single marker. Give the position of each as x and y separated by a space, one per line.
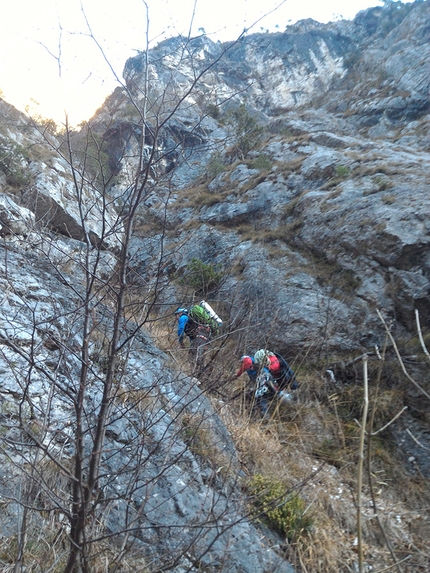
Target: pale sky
49 58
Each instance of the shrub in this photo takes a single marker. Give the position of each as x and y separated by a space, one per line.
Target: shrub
342 171
214 166
285 512
213 111
202 277
286 132
246 128
262 162
382 183
13 159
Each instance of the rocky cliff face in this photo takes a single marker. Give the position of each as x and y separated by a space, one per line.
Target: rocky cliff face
293 164
344 110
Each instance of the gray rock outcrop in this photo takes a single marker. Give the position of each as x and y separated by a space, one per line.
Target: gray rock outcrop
345 195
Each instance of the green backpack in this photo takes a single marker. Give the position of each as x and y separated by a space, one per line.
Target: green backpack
200 316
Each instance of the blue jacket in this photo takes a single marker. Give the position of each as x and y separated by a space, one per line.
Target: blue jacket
183 319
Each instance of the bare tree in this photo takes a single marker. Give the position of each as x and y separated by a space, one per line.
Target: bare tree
76 356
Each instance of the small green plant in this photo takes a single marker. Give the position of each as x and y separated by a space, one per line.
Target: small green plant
214 166
213 111
202 277
342 171
13 160
382 183
246 128
262 162
283 511
286 132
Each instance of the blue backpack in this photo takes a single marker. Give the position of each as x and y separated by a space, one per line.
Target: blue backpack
288 376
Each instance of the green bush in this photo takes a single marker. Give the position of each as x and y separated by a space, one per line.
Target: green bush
285 512
213 111
214 166
342 171
246 128
13 159
262 162
202 277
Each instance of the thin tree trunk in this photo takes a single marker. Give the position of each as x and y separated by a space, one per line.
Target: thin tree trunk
360 464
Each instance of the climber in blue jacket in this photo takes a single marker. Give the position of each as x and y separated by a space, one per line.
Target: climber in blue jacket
182 316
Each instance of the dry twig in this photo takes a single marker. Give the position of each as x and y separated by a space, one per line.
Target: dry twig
399 358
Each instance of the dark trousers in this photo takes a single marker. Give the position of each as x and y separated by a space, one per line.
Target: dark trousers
198 343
